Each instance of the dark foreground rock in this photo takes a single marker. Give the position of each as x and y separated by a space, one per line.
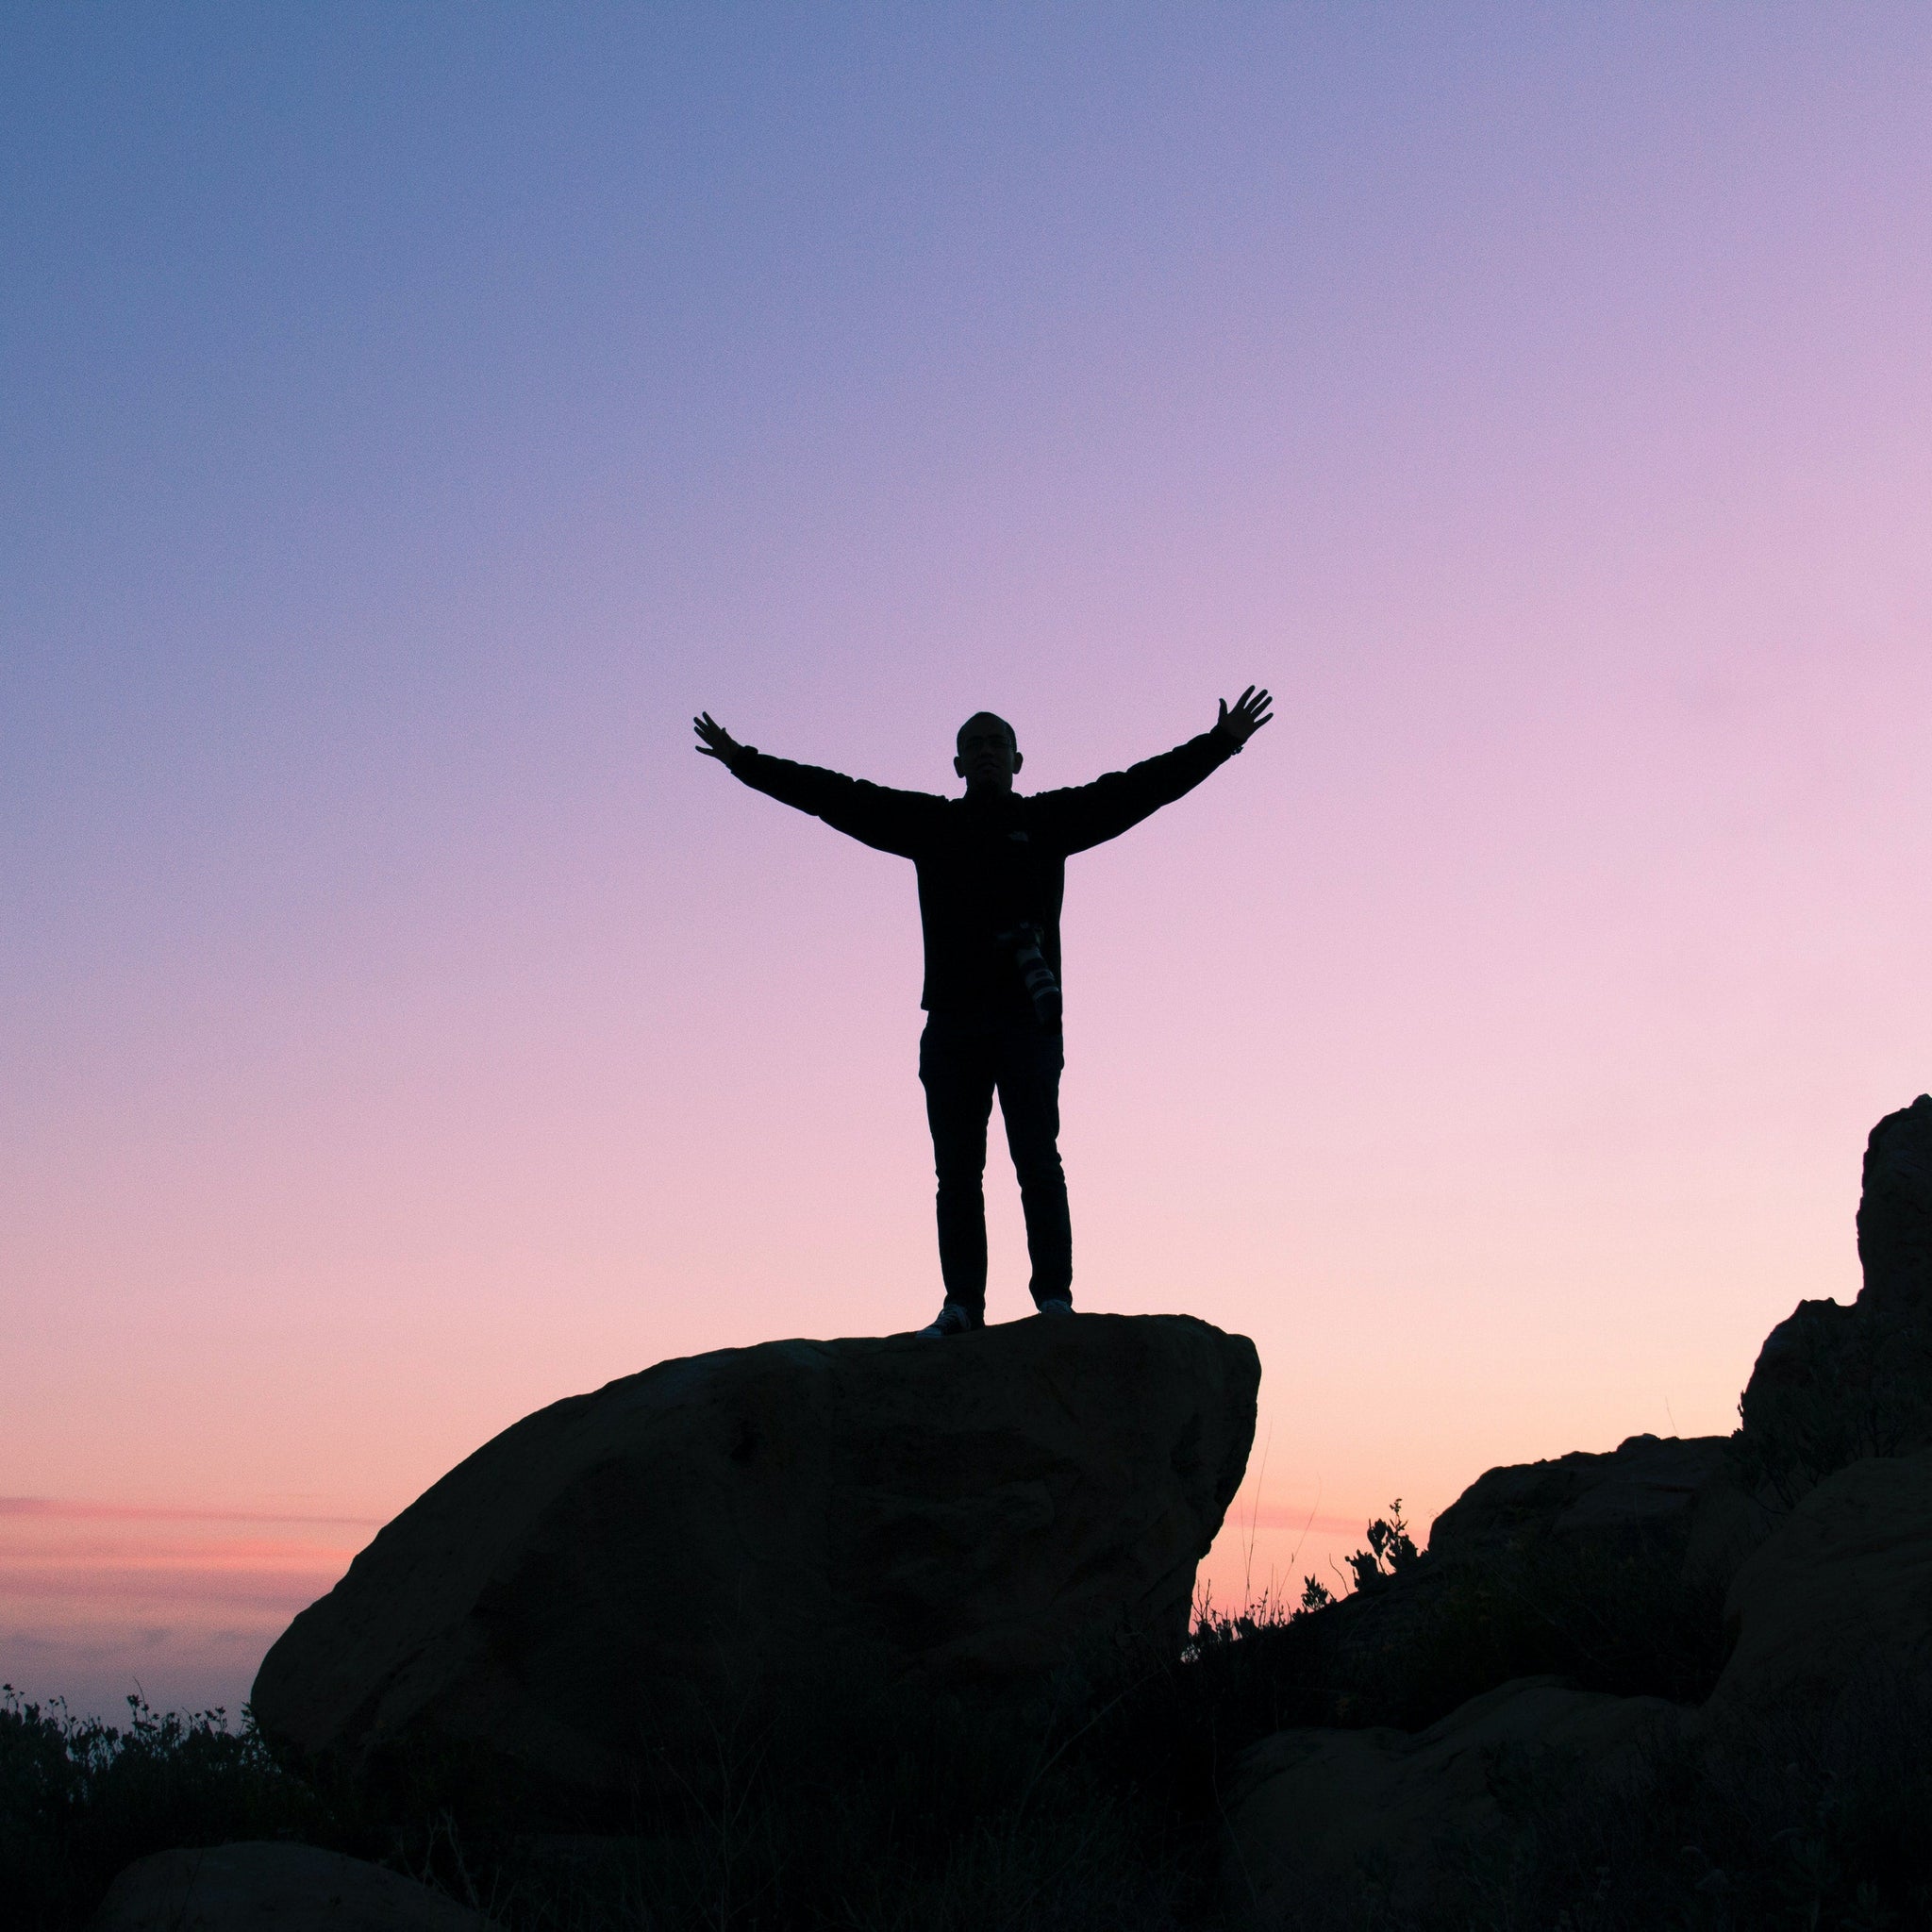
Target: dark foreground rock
972 1510
273 1887
1842 1591
1313 1810
1830 1670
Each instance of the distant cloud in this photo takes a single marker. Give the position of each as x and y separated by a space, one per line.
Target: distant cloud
53 1509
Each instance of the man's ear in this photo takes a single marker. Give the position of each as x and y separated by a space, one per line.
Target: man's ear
1019 757
959 766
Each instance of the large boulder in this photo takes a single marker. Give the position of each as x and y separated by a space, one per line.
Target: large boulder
262 1887
976 1509
1315 1812
1842 1590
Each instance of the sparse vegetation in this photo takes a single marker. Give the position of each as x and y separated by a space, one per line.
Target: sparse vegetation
1098 1804
80 1798
1390 1549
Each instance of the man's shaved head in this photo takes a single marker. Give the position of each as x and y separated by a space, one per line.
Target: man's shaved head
979 720
989 754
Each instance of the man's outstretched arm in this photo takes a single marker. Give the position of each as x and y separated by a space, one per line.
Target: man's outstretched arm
874 814
1086 815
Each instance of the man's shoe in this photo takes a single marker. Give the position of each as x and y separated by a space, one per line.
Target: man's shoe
952 1319
1056 1305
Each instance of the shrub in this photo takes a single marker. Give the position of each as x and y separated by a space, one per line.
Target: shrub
80 1798
1390 1549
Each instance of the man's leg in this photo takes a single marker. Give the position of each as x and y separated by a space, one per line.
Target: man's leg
956 1066
1030 1059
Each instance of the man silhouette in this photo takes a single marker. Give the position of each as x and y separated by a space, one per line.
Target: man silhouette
991 874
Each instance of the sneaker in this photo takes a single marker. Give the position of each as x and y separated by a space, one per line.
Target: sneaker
1056 1305
952 1319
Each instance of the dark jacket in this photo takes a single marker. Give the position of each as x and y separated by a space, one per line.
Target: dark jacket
985 864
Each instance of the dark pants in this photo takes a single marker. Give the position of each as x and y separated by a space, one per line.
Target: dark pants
961 1063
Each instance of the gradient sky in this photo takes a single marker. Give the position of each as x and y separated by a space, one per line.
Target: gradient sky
412 416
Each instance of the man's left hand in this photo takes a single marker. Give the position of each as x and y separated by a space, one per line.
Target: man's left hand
1249 714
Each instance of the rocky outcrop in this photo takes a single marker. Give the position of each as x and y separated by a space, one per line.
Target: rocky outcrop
273 1887
1312 1811
1536 1567
1815 1521
1678 1500
971 1510
1644 1487
1834 1384
1895 1214
1827 1602
1842 1590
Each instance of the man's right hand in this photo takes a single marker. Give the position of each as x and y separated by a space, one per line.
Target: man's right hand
714 741
1249 714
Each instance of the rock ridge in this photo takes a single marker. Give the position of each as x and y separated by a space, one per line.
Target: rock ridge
1781 1578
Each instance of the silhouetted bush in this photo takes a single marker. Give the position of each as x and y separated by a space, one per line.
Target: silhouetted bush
80 1798
857 1807
1390 1551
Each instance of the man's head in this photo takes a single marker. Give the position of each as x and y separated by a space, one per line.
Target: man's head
989 754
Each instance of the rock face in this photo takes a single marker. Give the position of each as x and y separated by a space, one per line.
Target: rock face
969 1508
273 1887
1835 1384
1895 1214
1844 1588
1312 1808
1644 1486
1677 1497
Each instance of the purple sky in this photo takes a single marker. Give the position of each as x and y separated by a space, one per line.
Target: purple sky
413 416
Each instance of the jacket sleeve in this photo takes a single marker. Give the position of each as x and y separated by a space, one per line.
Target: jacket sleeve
1086 815
875 815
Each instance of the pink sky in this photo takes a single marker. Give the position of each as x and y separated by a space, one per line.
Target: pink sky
400 1028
